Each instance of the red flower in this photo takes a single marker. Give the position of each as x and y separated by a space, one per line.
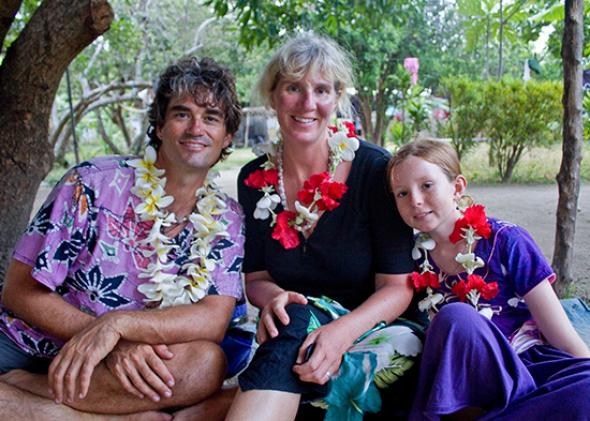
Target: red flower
460 290
331 192
284 231
351 129
475 282
262 178
307 194
424 280
475 218
489 290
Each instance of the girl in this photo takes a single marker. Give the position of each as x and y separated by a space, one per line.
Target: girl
499 345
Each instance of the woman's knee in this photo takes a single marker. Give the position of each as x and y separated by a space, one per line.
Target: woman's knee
457 318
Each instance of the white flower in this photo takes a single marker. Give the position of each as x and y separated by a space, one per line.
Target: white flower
343 146
305 213
147 163
423 241
151 207
486 312
430 301
265 205
469 261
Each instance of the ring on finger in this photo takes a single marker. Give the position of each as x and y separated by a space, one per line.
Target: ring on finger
328 375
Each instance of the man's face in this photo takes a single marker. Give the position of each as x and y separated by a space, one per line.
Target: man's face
192 135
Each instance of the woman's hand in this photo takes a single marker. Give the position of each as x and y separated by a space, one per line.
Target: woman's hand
329 342
276 308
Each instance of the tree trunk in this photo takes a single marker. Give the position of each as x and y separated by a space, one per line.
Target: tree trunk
8 9
568 178
29 78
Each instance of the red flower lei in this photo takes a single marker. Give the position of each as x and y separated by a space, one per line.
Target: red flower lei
318 194
473 225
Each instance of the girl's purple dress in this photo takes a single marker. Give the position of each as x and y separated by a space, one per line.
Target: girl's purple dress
502 365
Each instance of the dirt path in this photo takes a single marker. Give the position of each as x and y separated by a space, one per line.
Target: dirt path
531 206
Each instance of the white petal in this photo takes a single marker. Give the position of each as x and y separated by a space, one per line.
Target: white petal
416 255
486 312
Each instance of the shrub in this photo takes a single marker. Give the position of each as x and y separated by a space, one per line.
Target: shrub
466 113
520 115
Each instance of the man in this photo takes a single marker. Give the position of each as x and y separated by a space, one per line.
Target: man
135 265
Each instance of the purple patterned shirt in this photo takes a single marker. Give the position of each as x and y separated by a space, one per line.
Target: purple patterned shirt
85 244
515 262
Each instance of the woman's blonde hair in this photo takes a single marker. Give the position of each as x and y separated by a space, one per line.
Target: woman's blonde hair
309 52
436 152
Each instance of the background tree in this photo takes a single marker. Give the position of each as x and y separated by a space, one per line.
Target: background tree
112 79
378 34
30 72
568 178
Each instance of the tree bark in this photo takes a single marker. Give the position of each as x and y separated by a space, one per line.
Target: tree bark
29 78
568 178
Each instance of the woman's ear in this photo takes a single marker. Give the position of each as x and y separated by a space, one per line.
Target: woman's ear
460 186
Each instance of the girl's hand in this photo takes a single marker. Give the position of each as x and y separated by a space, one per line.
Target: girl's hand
330 343
276 308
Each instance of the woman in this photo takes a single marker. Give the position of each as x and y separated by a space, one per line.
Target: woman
500 346
318 224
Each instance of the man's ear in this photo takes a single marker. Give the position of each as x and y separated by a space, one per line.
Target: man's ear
227 140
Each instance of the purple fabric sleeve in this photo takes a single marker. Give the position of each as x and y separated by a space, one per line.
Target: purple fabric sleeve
58 228
522 259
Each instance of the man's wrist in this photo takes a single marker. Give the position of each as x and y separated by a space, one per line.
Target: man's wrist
119 322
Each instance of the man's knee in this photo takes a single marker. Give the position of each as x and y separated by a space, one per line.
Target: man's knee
198 368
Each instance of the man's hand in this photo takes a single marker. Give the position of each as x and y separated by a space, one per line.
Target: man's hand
71 371
140 369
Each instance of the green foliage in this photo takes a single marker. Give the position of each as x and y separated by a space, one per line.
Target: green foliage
21 19
379 35
410 109
466 113
518 116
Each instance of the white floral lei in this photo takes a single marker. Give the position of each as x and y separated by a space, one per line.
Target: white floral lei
342 148
169 289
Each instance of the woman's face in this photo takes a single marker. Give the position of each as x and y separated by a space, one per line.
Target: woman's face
304 107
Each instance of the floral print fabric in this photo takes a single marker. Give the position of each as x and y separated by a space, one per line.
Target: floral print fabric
84 244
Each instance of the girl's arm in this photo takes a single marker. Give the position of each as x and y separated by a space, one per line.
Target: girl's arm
552 320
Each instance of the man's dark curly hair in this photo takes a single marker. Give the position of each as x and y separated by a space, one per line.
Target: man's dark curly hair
207 82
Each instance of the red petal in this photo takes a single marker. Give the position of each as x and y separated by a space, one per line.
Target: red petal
255 179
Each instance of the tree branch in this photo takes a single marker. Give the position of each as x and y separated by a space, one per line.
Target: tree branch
92 96
8 9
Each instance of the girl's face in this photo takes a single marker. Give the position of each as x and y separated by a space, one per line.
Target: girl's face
425 197
304 107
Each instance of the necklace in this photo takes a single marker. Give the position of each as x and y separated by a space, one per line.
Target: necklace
163 288
470 227
319 193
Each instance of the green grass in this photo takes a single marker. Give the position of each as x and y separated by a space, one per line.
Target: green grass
238 158
536 166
